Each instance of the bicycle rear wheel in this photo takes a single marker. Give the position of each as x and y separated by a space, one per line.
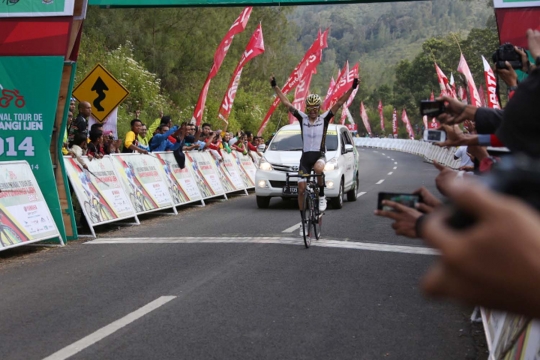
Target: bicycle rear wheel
307 218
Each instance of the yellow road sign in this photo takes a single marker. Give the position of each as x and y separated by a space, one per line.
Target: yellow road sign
102 91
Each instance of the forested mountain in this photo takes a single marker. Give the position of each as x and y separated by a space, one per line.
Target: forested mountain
163 55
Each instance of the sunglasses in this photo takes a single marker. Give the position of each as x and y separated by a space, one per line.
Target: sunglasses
309 108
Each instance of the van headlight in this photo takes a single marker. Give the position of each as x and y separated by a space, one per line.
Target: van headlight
265 165
331 165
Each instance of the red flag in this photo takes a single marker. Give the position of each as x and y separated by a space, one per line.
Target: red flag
394 124
464 69
307 65
462 95
343 85
481 95
300 94
407 123
330 89
345 113
254 48
237 27
365 120
453 86
443 81
381 116
330 95
491 84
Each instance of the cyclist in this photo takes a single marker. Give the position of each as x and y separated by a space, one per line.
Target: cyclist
313 127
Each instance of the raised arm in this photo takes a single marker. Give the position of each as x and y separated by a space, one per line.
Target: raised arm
343 99
281 95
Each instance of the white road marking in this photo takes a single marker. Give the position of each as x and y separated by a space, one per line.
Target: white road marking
375 151
379 182
390 173
292 228
395 167
360 194
269 240
392 159
395 162
102 333
384 154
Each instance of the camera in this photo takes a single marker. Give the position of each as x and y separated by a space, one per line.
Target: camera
507 52
432 108
516 175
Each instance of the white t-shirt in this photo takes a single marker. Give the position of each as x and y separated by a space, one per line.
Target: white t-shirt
314 134
462 154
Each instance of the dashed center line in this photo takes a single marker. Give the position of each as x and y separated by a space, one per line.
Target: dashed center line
390 173
395 162
395 167
380 182
292 228
360 194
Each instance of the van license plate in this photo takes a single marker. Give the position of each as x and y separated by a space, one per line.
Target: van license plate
291 190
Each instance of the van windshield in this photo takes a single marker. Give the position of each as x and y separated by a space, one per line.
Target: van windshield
291 140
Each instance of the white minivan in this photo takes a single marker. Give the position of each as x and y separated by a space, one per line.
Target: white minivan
283 156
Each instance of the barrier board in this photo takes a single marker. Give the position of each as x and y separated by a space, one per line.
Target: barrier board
143 182
203 166
233 172
99 191
24 215
246 164
182 184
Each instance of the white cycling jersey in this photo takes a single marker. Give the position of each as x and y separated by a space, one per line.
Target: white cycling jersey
314 134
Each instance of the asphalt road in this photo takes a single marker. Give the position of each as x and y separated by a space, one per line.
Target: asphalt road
230 281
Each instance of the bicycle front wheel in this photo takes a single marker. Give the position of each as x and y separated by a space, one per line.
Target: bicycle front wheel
307 218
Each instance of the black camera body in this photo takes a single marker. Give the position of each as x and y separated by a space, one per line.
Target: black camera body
507 52
514 175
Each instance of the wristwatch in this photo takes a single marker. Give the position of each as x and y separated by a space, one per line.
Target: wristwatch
512 88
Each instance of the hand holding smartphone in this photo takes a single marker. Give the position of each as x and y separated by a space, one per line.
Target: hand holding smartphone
434 135
409 200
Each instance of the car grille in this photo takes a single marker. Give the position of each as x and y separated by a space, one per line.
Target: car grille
285 168
280 184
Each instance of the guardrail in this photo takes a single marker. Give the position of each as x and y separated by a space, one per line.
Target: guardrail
429 152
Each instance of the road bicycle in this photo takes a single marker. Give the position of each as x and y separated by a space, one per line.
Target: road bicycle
311 216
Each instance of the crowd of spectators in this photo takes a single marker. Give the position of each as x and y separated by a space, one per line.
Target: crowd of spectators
493 258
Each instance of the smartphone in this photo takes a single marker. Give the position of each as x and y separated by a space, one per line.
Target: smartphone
434 135
409 200
432 108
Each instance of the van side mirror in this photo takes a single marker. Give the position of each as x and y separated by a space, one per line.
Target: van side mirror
348 148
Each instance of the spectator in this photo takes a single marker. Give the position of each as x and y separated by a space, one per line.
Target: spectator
78 150
131 144
79 126
142 138
241 145
95 146
466 159
160 141
72 105
65 150
225 142
206 136
233 139
192 137
250 145
156 123
109 144
215 146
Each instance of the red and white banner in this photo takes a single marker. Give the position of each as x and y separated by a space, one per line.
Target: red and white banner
434 124
453 85
343 85
308 64
254 48
237 27
394 124
443 82
424 119
381 116
491 84
407 123
463 68
300 94
462 95
365 120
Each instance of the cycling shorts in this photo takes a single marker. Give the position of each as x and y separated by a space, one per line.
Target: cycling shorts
308 160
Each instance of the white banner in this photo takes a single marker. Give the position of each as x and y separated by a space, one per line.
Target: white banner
515 3
233 172
24 215
246 165
182 184
100 192
141 175
206 173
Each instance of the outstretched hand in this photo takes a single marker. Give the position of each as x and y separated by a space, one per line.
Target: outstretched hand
355 83
273 82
